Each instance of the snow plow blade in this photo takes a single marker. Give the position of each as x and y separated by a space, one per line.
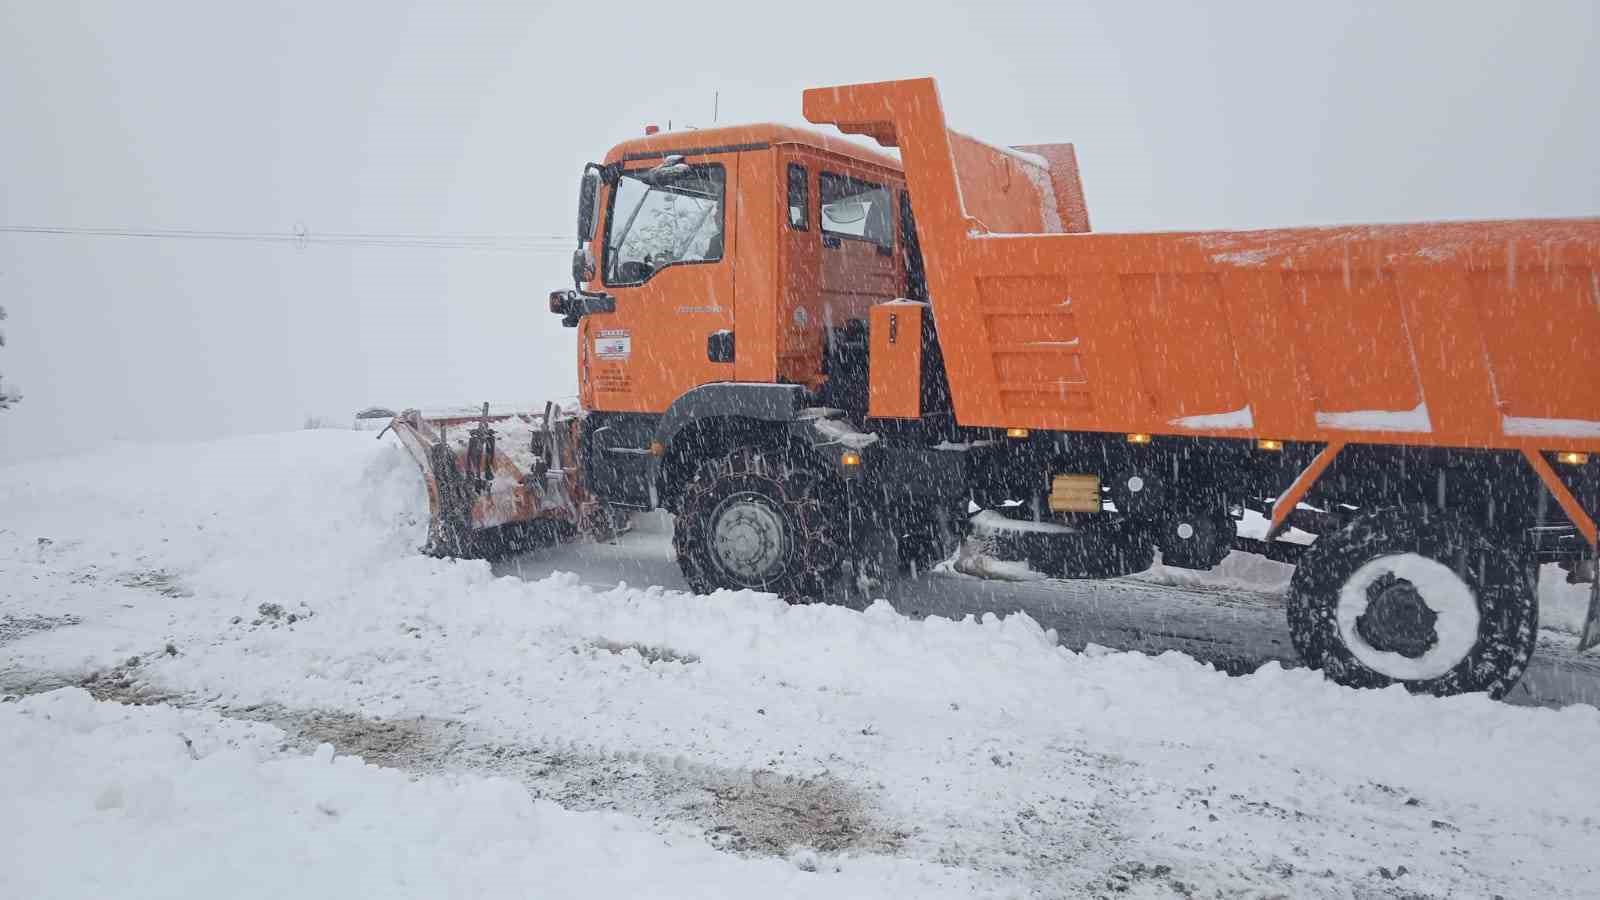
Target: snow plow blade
500 481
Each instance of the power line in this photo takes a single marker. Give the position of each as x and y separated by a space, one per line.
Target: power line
511 242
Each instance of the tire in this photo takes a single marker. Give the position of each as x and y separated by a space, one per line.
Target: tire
1138 493
760 519
1195 539
1106 550
1414 597
930 538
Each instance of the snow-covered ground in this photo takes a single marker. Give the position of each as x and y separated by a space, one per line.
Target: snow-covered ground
152 801
544 736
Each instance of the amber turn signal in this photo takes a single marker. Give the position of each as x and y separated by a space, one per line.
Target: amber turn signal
1572 457
850 458
1016 432
1269 444
1139 438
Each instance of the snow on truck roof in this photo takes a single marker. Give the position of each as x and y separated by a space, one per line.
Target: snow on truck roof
746 137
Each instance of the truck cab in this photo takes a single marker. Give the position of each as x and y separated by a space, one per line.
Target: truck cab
727 256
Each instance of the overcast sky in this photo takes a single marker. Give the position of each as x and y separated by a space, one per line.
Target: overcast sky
440 118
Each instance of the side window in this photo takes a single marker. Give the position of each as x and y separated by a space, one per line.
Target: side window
659 218
852 208
799 198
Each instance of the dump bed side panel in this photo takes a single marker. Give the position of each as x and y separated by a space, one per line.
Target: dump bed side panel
1008 191
1477 334
1062 160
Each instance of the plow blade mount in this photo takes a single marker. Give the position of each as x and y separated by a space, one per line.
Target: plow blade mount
500 481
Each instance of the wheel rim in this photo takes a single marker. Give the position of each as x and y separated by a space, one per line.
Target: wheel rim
1397 619
1408 617
747 539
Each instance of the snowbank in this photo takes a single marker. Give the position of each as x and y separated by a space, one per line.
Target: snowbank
271 510
1562 606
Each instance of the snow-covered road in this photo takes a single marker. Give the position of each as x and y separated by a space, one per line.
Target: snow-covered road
1232 617
263 595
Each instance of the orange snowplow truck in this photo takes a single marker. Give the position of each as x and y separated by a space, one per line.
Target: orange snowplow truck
824 359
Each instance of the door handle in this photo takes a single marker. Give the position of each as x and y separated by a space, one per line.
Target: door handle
719 346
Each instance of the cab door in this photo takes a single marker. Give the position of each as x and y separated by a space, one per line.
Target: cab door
667 256
859 267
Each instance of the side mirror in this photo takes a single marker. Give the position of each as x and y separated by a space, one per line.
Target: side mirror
572 305
582 264
588 204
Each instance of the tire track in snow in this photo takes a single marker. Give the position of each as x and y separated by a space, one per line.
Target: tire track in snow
740 810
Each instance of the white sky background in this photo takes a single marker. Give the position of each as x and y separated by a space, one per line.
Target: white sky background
434 117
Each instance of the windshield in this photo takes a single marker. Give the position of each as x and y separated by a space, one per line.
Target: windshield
658 219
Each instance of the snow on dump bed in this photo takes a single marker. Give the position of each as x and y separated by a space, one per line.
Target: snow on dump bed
278 572
1415 419
1236 418
1537 427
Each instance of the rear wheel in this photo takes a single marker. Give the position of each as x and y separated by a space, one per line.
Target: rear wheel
1414 597
760 519
1195 538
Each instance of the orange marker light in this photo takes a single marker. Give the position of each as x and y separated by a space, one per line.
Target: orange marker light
1269 444
850 458
1139 438
1016 432
1572 457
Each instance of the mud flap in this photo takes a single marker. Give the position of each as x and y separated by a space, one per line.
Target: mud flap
1591 623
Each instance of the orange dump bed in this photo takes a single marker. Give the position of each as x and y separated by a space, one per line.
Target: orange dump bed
1471 334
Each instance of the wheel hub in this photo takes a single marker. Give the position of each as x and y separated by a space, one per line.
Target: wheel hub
747 539
1397 619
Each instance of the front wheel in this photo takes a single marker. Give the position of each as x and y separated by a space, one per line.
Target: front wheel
1414 597
760 519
